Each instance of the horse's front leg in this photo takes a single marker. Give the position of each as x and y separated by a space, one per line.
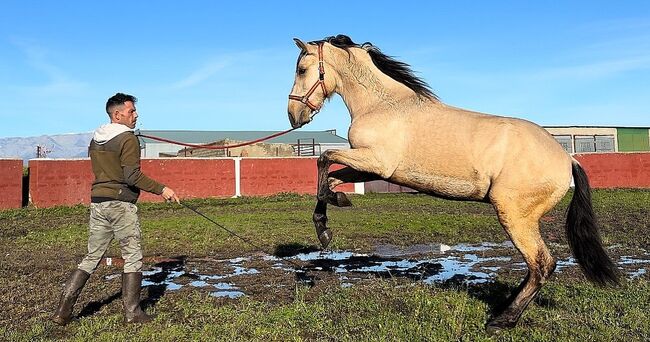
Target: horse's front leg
320 222
349 175
325 193
361 165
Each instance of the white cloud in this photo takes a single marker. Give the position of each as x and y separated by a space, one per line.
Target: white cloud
58 81
201 74
240 62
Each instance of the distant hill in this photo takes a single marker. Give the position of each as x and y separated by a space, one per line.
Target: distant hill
74 145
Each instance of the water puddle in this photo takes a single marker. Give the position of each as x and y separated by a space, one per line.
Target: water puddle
172 276
426 263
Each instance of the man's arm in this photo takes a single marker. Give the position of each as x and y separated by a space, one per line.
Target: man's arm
133 176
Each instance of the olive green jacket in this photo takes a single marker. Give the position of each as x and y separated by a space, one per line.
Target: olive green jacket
116 165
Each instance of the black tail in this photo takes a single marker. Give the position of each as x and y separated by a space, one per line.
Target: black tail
583 236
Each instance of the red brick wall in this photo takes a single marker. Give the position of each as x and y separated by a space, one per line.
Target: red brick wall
616 170
59 182
68 182
11 183
267 176
191 178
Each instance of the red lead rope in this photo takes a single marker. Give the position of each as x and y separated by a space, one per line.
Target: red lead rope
211 147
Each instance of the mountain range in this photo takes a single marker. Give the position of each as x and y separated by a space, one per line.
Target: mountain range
73 145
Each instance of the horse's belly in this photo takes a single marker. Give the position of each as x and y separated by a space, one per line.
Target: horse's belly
442 185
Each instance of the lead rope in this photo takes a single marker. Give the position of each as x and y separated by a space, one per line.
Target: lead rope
257 248
212 147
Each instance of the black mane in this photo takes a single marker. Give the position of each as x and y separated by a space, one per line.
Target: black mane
399 71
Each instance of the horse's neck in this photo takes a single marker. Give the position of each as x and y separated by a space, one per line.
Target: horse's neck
364 87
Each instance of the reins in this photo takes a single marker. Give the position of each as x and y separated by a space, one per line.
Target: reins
211 146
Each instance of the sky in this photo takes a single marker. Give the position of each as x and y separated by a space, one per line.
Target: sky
229 65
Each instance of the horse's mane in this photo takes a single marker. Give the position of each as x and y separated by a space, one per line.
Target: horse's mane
399 71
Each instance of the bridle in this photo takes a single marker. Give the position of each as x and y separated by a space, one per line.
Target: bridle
321 81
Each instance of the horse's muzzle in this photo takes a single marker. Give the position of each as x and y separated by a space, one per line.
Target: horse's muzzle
303 119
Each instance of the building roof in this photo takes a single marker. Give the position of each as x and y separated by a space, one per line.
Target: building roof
592 126
204 137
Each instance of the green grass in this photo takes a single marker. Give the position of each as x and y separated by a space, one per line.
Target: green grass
272 221
377 311
567 308
400 219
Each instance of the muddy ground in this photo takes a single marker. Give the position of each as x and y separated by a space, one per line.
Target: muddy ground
32 274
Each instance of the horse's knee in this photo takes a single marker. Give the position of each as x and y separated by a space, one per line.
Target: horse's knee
323 160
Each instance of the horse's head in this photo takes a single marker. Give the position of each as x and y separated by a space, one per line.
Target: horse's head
310 87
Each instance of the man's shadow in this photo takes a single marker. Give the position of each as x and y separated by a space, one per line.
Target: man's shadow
154 291
495 294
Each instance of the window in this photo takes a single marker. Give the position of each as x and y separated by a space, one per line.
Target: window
565 141
586 143
594 143
605 143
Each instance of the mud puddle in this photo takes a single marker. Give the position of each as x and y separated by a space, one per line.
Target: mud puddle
426 263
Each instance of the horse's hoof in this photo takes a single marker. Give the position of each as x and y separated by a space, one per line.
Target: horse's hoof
342 200
325 237
497 325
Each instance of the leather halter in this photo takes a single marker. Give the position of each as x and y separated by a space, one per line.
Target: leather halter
321 81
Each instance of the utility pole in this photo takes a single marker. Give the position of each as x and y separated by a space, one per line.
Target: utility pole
42 151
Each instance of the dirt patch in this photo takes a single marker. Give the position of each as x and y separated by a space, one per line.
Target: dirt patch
32 278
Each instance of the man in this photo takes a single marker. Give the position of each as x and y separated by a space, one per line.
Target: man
115 158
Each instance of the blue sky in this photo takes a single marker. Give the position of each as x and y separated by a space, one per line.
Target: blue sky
230 65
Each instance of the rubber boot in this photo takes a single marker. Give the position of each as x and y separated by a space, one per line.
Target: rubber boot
131 285
73 286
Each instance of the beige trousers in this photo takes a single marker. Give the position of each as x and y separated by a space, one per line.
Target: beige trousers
113 219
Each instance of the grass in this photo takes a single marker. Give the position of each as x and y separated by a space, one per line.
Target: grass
377 311
399 219
42 245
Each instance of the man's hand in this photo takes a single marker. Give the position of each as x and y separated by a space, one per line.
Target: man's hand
169 195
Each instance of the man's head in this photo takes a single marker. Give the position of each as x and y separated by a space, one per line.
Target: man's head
121 109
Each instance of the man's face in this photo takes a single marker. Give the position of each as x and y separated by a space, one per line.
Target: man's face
126 115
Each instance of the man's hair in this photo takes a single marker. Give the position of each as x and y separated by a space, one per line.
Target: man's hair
118 100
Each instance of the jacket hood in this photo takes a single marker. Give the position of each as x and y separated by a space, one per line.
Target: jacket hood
109 131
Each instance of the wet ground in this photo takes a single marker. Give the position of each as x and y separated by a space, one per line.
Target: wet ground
386 237
427 263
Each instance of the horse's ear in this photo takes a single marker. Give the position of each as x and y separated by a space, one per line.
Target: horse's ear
300 44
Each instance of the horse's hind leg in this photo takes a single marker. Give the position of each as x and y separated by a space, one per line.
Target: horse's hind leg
525 235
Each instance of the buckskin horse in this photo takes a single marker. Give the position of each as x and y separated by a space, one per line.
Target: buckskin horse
401 132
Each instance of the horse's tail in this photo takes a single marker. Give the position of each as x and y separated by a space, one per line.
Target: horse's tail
583 236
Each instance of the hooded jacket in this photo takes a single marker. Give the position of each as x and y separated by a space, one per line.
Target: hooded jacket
115 157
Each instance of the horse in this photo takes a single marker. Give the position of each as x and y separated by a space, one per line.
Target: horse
401 132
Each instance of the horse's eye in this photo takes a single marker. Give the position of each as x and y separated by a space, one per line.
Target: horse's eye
301 71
